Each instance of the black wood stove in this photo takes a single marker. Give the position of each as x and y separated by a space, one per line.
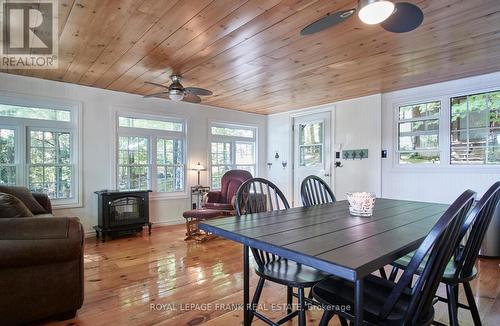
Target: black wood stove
122 212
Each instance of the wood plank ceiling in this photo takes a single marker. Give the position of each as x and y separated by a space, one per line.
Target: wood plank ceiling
250 53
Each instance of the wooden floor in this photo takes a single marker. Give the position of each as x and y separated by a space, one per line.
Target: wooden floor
163 280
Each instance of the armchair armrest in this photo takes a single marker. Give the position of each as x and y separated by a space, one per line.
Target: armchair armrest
212 197
37 241
44 200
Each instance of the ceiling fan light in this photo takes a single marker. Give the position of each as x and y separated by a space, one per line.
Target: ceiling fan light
375 11
176 96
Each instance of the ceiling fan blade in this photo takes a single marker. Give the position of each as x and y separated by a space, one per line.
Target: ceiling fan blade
329 20
191 98
155 94
155 84
198 91
406 17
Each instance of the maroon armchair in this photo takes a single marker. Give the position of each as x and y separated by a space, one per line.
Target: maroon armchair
223 200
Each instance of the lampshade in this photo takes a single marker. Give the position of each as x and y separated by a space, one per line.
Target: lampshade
374 11
176 95
198 167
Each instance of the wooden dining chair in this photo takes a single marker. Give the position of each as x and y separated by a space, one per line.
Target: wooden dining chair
460 269
315 191
389 303
260 195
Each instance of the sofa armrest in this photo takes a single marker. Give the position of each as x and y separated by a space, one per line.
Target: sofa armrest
44 200
212 197
32 241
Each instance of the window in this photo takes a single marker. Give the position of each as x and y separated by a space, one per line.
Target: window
38 149
7 156
475 129
151 154
49 163
16 111
231 147
418 133
133 163
311 143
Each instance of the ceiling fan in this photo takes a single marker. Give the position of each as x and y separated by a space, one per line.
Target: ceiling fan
398 17
176 92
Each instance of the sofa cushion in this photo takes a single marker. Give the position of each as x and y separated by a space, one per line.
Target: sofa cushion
11 206
24 194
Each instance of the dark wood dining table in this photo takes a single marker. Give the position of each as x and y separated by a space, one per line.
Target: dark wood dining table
328 238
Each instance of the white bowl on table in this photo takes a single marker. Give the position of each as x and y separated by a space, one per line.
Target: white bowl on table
361 203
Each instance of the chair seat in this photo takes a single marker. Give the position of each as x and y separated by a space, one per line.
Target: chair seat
290 273
219 206
202 214
449 272
339 294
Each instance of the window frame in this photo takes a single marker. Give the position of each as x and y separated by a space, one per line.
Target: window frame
23 126
468 129
233 140
444 131
153 135
440 119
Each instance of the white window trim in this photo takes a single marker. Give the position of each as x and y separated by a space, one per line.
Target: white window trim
23 125
117 131
396 122
215 138
444 132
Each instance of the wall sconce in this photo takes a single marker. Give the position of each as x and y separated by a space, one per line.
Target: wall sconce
276 155
269 165
284 164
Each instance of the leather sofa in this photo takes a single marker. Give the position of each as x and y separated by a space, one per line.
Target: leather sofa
223 200
41 267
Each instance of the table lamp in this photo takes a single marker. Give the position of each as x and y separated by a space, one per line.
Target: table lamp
198 168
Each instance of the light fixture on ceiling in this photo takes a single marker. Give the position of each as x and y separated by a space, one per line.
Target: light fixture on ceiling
374 11
176 95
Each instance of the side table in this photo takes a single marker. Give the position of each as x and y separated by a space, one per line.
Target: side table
197 194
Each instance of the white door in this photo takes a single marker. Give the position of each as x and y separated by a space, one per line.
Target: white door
312 150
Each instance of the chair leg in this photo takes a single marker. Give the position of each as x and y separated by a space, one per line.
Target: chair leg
327 315
472 304
256 297
382 272
394 273
452 304
289 299
302 307
343 321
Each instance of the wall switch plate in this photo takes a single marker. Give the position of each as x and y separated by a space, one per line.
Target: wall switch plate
384 153
337 155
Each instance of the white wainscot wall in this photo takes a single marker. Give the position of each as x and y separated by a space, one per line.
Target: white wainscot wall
97 107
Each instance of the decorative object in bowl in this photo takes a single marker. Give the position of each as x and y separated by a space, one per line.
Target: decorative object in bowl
361 203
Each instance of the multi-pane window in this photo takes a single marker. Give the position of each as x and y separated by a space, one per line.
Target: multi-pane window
170 164
475 129
232 147
38 150
418 133
49 163
7 156
151 154
311 143
133 163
